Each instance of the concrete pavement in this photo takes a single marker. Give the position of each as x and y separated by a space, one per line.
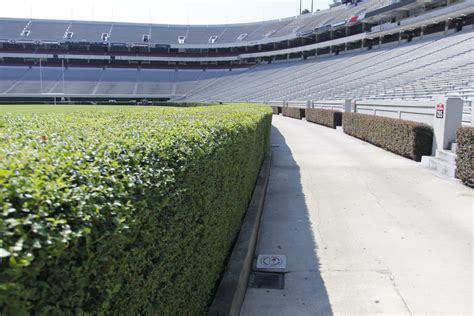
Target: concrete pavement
365 231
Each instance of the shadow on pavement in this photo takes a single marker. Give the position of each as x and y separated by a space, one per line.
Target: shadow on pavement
286 229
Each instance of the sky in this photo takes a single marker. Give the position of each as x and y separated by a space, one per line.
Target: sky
158 11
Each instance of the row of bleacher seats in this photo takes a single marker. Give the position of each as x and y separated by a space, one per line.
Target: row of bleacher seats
96 81
420 69
50 30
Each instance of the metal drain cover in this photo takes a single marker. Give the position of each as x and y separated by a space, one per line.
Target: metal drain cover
272 263
267 280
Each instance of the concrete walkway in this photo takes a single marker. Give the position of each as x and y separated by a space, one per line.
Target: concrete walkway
365 231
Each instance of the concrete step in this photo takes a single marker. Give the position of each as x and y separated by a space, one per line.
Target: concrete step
454 147
440 167
446 155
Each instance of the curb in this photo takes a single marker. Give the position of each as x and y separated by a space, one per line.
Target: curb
231 291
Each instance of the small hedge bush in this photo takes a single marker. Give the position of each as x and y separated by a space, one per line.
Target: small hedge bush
406 138
329 118
276 109
465 150
123 212
183 104
296 113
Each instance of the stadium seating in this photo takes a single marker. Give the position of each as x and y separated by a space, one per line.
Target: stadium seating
421 69
360 52
47 30
96 81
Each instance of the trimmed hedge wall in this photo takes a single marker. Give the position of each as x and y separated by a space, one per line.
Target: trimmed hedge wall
183 104
123 212
276 109
326 117
296 113
465 154
406 138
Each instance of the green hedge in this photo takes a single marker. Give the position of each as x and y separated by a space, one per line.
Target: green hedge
406 138
183 104
276 109
329 118
465 150
296 113
124 212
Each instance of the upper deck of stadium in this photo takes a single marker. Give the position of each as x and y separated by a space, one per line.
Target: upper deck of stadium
31 30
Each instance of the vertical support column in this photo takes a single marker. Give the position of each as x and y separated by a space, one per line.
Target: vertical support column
447 119
347 106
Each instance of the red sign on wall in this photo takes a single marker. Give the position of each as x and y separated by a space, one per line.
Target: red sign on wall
440 110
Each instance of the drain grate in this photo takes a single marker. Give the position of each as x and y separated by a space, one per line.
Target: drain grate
267 280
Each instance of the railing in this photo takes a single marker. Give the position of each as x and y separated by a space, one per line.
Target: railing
413 110
329 104
297 104
419 111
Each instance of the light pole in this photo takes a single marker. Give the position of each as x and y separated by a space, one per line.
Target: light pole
41 77
62 68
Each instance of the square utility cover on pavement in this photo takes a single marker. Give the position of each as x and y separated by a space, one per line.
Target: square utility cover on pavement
267 280
275 263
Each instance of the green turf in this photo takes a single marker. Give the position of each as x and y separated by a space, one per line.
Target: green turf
42 108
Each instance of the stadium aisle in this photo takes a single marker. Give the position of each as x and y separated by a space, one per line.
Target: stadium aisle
364 231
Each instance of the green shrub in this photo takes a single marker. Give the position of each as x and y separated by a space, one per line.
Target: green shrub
297 113
276 109
183 104
123 212
464 160
329 118
406 138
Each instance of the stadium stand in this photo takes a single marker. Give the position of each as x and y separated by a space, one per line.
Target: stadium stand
421 69
91 32
413 70
373 49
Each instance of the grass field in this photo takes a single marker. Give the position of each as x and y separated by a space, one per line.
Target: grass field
63 108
